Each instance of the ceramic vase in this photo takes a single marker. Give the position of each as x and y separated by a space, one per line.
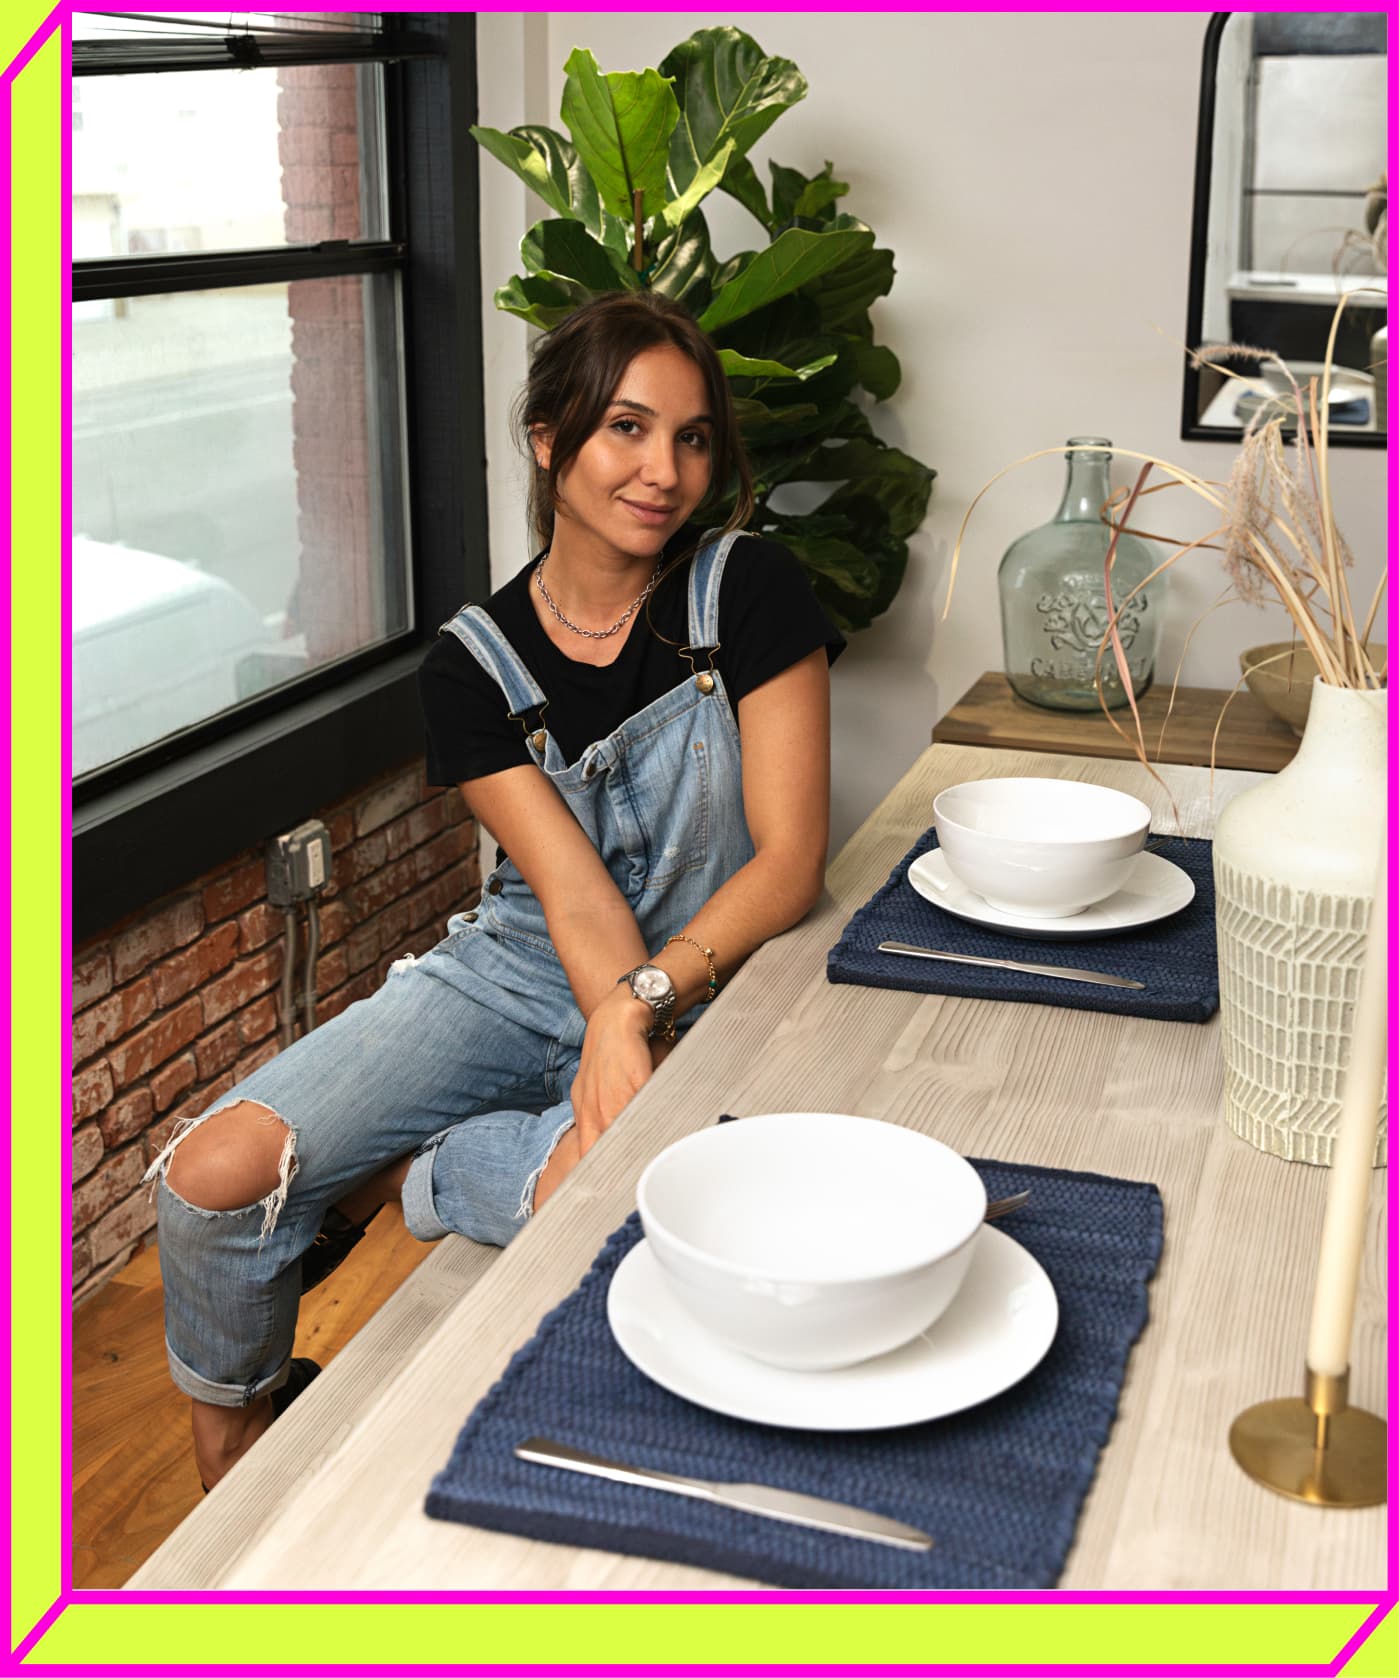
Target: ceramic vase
1294 872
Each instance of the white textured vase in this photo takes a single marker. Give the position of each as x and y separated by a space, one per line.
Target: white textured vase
1294 872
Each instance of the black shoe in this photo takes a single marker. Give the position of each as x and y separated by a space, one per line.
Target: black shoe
300 1374
333 1241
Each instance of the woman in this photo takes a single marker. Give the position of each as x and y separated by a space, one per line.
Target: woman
640 719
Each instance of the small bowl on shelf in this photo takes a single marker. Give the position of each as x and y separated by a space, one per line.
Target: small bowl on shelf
1280 676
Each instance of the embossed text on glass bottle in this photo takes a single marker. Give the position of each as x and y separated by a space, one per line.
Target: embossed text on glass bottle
1054 606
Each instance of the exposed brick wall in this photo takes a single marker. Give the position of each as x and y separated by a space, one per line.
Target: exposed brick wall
174 1005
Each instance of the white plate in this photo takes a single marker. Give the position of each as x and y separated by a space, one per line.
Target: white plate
1000 1325
1155 888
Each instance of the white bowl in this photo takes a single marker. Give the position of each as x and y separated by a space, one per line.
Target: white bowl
1037 847
812 1240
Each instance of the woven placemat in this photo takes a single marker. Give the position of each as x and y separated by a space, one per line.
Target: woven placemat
999 1487
1175 958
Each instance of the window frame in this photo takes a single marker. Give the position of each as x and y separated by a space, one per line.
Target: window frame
151 823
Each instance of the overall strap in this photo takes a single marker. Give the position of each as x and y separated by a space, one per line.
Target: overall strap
481 636
706 574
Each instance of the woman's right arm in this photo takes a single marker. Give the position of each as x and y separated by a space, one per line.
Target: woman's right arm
590 923
592 927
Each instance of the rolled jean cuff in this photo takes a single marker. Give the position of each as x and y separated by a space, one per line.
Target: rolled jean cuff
419 1211
233 1395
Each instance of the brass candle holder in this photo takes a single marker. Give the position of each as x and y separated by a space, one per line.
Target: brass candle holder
1316 1449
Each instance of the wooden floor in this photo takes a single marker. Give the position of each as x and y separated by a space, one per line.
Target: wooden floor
134 1478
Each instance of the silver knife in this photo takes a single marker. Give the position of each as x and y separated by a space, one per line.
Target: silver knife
1083 974
781 1505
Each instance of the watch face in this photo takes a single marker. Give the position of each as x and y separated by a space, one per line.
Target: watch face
651 984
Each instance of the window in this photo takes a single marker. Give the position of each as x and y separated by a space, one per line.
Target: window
276 385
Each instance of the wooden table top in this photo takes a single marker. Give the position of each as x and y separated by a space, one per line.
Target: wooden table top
332 1497
1177 730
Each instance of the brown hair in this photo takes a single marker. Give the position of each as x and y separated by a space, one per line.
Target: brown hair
575 370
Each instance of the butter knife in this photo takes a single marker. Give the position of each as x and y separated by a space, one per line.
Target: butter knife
773 1501
1082 974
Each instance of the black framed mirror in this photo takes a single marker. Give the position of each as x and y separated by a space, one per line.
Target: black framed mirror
1291 209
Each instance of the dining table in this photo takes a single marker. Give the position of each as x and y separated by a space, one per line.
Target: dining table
332 1497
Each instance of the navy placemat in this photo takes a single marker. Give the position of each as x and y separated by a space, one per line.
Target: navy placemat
1174 958
999 1486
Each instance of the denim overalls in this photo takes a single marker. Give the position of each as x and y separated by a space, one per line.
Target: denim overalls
464 1057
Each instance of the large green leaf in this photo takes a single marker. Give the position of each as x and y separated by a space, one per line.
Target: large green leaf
792 260
546 174
878 370
741 181
565 250
843 294
795 194
621 124
539 298
748 367
704 182
683 264
727 89
900 484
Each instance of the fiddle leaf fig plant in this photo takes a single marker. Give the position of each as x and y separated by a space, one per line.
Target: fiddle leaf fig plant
626 188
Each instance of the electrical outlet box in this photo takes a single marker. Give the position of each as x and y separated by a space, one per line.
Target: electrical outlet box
298 864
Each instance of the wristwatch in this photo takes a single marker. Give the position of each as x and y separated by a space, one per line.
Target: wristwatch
653 986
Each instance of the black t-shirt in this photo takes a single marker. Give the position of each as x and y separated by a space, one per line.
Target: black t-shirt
768 620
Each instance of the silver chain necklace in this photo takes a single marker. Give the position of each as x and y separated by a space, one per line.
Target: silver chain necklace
593 634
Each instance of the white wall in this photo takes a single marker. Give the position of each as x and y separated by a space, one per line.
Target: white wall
1032 173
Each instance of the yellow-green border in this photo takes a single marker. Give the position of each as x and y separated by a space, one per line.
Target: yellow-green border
142 1636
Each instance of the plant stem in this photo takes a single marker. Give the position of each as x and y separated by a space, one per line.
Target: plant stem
638 254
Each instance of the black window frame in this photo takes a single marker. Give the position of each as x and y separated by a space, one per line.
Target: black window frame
149 824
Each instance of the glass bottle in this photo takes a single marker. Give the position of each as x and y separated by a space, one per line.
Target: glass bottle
1053 604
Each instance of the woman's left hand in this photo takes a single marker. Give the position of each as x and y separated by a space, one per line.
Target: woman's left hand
617 1059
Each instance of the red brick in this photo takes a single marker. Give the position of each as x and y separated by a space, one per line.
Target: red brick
362 947
127 1116
159 1134
332 970
235 891
92 976
92 1090
336 923
205 1098
87 1151
379 890
393 926
393 798
123 1225
82 1259
185 972
217 1050
242 983
361 860
97 1026
344 146
172 1080
441 853
259 926
155 1043
365 984
258 1021
156 936
342 829
255 1058
115 1177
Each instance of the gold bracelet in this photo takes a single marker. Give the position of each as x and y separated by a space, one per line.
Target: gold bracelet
708 954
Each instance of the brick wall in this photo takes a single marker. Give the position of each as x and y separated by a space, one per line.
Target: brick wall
174 1005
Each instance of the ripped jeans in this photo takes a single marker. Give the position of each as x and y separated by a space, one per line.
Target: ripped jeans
463 1058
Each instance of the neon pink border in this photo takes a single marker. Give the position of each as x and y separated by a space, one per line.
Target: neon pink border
69 1597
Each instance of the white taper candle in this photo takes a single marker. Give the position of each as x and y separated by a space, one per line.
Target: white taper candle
1348 1194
